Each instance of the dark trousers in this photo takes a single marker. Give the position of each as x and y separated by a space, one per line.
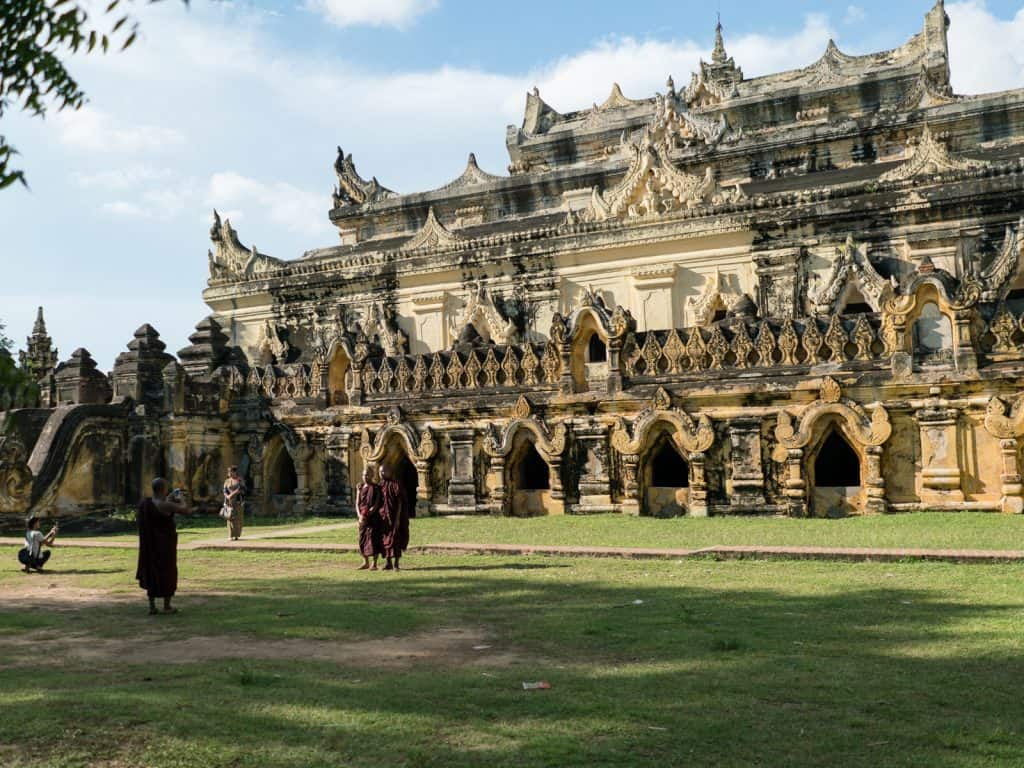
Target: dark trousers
33 562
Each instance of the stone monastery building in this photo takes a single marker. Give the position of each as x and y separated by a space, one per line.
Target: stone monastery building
797 294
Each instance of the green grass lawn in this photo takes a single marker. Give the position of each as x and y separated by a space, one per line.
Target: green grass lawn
938 530
212 526
664 663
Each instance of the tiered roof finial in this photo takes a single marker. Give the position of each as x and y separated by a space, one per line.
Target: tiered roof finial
719 56
39 357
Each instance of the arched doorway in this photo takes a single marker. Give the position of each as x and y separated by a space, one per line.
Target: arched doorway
666 479
337 373
597 350
529 479
403 470
282 479
836 477
933 334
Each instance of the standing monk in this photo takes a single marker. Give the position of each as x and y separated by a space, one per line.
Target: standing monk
158 545
395 513
371 528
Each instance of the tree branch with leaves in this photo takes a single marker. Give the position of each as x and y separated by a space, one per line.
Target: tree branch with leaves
34 37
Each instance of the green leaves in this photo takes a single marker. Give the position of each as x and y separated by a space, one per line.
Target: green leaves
34 37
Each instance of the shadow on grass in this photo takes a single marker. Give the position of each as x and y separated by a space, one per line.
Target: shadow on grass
781 674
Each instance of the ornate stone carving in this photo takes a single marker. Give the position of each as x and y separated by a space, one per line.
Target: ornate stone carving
853 266
230 260
481 312
270 347
432 235
471 177
930 157
353 189
997 278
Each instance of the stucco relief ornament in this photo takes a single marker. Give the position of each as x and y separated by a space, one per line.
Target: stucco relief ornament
930 157
559 330
353 189
15 476
868 429
830 391
522 409
433 235
662 400
1001 425
232 260
270 345
852 265
997 278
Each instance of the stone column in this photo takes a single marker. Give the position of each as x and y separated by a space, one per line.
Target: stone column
795 487
698 506
566 382
966 357
614 366
1013 490
462 488
595 483
631 490
423 488
496 474
875 490
338 458
940 476
747 486
557 490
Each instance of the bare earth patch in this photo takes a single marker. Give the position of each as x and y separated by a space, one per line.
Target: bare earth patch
449 647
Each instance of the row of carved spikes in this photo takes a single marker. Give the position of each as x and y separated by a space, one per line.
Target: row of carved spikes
512 366
764 344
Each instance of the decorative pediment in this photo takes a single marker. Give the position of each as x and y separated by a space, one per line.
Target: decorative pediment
550 443
1005 421
674 125
997 278
868 428
270 347
852 266
353 189
538 116
382 325
929 157
716 81
229 259
481 312
616 100
419 446
926 92
472 176
688 435
716 295
432 235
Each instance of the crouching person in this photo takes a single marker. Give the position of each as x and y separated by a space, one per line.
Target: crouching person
32 555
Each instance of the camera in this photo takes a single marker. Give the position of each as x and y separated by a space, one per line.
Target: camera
176 494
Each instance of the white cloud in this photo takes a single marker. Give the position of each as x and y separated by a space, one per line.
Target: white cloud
854 15
374 13
284 204
121 178
125 208
94 130
162 202
986 53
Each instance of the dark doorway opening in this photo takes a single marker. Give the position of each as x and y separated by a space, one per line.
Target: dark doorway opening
858 308
837 465
597 352
668 468
283 478
408 478
532 472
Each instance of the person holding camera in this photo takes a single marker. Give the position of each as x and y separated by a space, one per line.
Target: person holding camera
157 570
32 555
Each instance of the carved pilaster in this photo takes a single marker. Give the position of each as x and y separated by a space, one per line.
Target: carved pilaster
338 463
462 488
940 475
698 502
795 486
1010 478
747 481
593 458
875 501
780 282
423 488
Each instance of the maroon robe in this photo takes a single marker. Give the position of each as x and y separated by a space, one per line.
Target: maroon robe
157 571
395 512
371 526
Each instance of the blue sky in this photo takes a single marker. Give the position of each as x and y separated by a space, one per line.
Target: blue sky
240 106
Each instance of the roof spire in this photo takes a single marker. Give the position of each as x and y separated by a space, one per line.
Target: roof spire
40 325
719 56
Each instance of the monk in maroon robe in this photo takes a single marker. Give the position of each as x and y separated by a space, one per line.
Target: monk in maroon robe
371 525
157 570
395 513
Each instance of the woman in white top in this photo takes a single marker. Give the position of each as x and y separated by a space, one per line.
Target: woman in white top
33 555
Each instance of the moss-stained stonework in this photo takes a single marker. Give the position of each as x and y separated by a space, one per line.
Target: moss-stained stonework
798 294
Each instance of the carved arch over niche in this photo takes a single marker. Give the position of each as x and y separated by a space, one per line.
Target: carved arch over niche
550 443
420 446
956 300
479 307
852 269
716 295
865 430
691 438
999 276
